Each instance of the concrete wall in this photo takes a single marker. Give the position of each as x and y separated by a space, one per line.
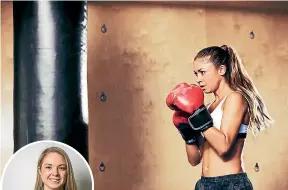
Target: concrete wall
147 49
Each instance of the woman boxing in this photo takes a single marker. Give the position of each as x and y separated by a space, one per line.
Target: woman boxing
222 125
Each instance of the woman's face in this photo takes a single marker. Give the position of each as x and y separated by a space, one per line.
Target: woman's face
53 171
208 76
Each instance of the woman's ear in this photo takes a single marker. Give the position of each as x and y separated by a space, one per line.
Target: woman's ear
222 70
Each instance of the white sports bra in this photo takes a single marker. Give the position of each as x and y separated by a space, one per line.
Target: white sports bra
217 115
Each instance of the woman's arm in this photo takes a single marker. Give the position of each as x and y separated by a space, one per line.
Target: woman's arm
234 110
195 152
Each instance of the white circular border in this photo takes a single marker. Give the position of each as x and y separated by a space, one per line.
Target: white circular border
44 141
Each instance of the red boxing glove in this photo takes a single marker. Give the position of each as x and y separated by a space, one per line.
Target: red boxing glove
191 100
172 95
187 98
180 117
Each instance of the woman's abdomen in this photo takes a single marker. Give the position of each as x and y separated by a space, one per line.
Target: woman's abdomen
215 165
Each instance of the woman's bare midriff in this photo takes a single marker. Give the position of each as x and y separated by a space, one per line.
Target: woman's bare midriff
215 165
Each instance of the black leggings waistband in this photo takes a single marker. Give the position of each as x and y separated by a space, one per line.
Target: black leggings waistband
238 181
221 178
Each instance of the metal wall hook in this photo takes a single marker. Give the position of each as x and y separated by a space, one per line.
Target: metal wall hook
104 28
102 167
252 35
103 97
256 168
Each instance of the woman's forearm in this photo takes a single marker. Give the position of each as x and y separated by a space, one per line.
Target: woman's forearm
193 154
218 140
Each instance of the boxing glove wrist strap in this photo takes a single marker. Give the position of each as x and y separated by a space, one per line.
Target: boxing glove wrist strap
201 119
191 141
187 134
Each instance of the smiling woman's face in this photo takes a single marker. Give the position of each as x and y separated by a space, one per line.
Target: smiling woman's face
208 76
53 171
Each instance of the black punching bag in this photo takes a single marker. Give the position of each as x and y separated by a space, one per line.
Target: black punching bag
50 73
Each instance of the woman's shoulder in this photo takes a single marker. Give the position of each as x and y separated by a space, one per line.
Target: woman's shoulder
236 98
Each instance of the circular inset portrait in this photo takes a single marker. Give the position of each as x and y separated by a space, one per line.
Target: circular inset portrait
47 165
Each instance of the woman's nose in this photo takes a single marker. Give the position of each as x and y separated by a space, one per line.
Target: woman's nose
199 79
55 171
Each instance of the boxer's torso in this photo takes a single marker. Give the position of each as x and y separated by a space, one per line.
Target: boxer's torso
214 165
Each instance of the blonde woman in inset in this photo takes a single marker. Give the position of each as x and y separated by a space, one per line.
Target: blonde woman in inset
54 171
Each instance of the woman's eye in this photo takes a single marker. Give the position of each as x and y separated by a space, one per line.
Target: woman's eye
202 72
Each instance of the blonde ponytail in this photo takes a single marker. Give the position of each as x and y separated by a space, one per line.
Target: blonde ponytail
240 80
